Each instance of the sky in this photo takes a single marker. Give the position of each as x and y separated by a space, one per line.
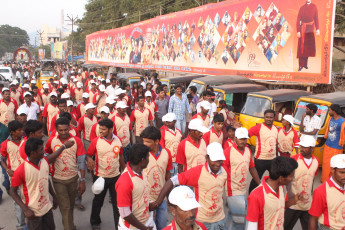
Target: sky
31 15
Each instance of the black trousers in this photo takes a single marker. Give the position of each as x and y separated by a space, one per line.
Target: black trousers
98 200
292 216
45 222
261 166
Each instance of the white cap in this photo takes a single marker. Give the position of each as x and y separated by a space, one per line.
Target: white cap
86 95
241 133
215 152
26 86
120 91
338 161
56 82
289 119
105 109
102 88
27 93
89 106
15 82
205 105
22 110
79 71
121 105
99 78
79 85
45 86
55 75
65 96
69 103
307 141
169 117
92 82
72 71
53 94
64 81
183 197
197 124
33 82
107 81
75 80
4 89
148 94
72 77
110 100
44 82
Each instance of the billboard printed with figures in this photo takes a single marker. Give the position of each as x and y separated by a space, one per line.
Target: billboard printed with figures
259 39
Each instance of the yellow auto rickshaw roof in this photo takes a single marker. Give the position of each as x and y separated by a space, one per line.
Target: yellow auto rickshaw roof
281 95
334 98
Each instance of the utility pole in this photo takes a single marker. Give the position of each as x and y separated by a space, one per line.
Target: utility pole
40 35
35 42
139 15
72 20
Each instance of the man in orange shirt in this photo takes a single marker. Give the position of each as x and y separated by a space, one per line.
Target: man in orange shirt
287 137
151 105
85 124
203 115
50 110
8 107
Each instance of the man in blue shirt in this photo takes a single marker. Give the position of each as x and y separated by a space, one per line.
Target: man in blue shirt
335 135
4 133
178 105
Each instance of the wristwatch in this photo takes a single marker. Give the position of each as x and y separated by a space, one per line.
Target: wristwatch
82 179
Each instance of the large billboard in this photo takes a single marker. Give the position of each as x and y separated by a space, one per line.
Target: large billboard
260 39
59 50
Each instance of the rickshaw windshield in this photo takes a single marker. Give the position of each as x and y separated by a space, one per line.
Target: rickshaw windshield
256 106
322 112
199 88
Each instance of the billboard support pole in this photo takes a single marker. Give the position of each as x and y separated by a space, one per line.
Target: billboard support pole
72 20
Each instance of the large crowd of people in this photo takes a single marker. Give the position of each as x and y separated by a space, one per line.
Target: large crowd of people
153 152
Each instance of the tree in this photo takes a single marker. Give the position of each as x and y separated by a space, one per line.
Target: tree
12 38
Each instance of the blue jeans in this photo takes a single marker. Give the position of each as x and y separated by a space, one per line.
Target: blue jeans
237 212
161 216
6 182
126 152
174 170
181 125
220 225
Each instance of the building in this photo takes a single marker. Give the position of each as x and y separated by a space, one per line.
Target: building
52 34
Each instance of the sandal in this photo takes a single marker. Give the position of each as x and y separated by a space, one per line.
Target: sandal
81 207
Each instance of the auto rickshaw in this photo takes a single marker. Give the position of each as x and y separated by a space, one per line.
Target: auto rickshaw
181 80
282 101
46 72
203 82
128 78
322 101
235 95
99 69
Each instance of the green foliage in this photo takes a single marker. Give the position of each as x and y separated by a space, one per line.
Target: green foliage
12 38
109 14
337 65
34 51
340 17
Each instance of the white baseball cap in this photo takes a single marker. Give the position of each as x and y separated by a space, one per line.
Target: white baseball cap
75 80
72 77
55 75
44 82
102 88
215 152
86 95
92 82
79 85
197 124
79 71
107 81
99 78
53 94
65 96
148 94
289 119
307 141
169 117
69 103
33 81
22 110
110 100
56 82
64 81
205 105
105 109
15 82
4 89
241 133
338 161
27 93
26 86
120 91
183 197
89 106
121 105
45 86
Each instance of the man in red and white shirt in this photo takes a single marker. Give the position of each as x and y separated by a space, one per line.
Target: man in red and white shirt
266 203
171 138
32 178
121 128
266 144
85 124
95 128
65 170
151 105
78 93
132 190
209 182
8 107
203 115
50 110
110 103
45 95
191 151
216 132
287 137
302 185
62 106
238 163
328 205
184 208
16 94
99 99
157 171
109 162
81 107
140 118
